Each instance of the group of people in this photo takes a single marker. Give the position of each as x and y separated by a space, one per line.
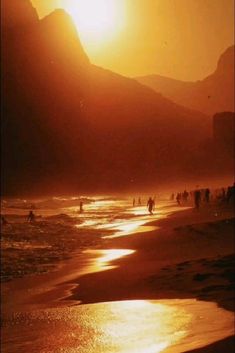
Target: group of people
199 196
150 204
31 217
139 202
181 197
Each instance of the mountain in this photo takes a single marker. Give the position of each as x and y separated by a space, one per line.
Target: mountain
17 16
70 125
211 95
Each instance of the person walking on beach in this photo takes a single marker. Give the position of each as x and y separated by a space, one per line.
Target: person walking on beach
31 217
197 199
207 195
223 193
81 207
231 194
150 205
185 195
178 198
4 221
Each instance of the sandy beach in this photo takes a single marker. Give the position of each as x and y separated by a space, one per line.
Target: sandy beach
182 259
117 178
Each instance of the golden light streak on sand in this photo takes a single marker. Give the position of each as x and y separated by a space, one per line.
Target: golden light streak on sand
133 326
104 257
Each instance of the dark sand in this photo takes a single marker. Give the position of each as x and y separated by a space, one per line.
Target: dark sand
38 247
224 346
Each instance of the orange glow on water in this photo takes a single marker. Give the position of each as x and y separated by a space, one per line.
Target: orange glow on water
111 255
133 326
122 229
104 257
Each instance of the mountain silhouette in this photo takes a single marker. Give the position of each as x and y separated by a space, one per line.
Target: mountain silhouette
213 94
17 15
68 124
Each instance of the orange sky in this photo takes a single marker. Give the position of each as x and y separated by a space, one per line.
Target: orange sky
181 39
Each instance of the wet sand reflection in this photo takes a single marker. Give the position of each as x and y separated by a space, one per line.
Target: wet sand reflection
101 258
138 326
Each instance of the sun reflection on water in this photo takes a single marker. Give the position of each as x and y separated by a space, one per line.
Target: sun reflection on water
146 327
134 326
102 259
111 255
125 226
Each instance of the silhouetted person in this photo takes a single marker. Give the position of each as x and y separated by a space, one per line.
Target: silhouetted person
150 205
139 201
133 203
231 193
4 221
31 217
223 194
191 195
172 197
207 195
185 195
178 198
197 199
81 207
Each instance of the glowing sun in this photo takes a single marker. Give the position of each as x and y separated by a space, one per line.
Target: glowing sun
97 21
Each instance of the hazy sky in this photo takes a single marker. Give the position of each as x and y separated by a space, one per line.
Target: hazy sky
181 39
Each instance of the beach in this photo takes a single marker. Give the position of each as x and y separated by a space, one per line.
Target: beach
124 267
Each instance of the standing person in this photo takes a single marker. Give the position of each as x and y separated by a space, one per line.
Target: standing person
223 194
150 205
81 207
197 199
133 203
178 198
31 217
207 195
185 195
172 197
139 201
231 194
4 221
191 195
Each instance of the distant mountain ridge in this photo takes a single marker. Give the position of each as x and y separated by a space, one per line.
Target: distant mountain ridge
68 123
213 94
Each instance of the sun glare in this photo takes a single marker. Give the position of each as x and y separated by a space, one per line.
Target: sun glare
97 21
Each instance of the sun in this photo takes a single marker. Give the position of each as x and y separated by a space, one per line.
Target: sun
97 21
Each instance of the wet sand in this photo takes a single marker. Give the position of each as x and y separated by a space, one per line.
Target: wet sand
190 255
139 326
182 251
187 255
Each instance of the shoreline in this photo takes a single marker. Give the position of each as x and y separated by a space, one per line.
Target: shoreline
206 285
83 288
170 230
55 239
